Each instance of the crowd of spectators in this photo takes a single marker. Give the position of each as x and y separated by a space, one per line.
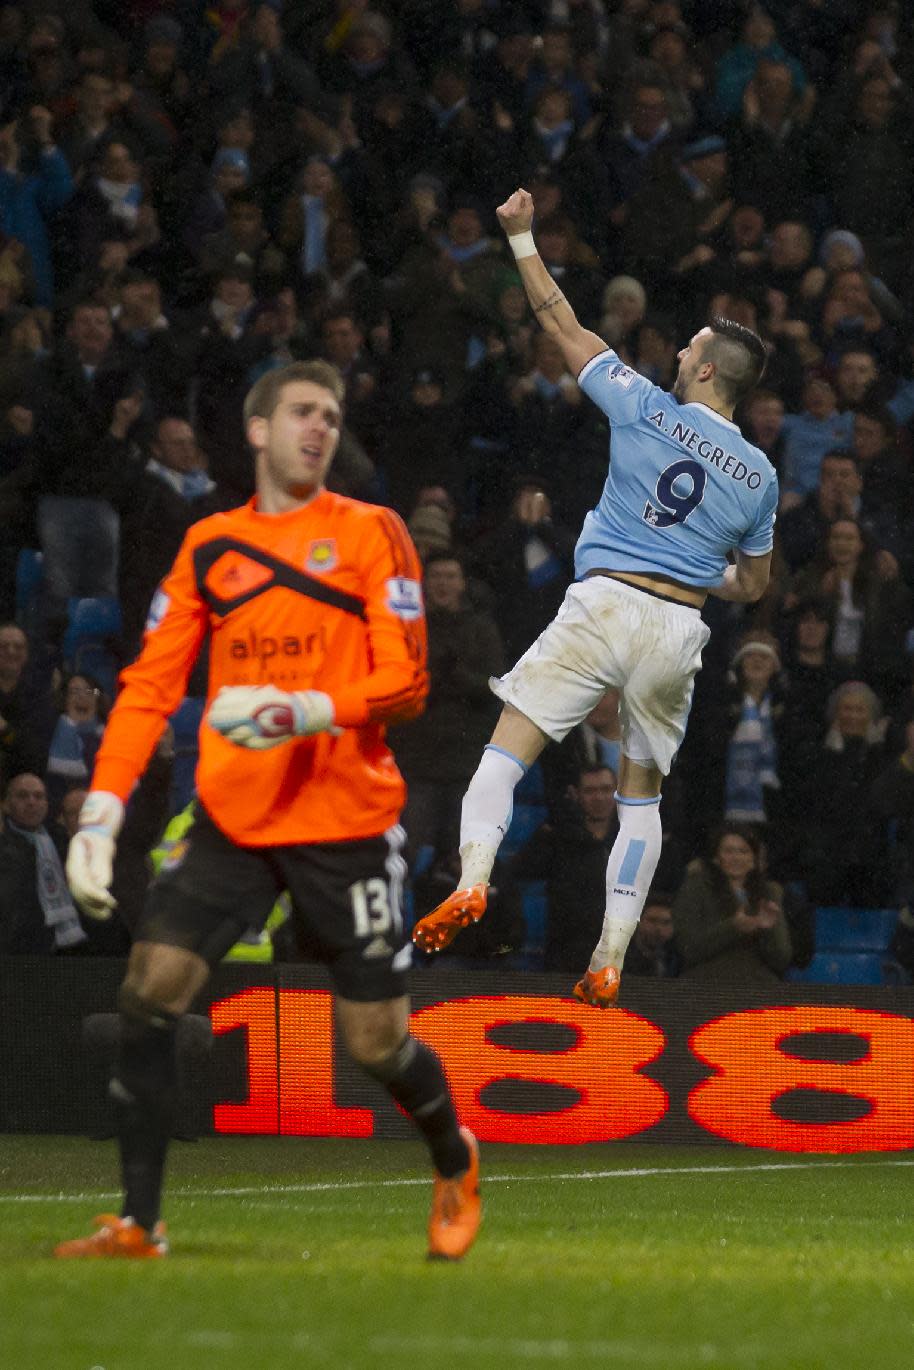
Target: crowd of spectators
192 193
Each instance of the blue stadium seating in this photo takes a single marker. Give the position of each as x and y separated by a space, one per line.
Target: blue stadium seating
527 818
533 902
90 620
92 623
846 968
532 789
847 929
29 581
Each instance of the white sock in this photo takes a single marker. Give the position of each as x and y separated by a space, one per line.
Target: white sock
629 873
488 807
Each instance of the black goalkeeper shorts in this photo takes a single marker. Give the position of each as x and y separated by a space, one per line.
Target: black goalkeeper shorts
346 903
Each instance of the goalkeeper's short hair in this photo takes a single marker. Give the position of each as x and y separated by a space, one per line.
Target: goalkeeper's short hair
265 394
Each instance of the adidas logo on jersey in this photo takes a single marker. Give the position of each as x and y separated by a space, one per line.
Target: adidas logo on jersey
377 948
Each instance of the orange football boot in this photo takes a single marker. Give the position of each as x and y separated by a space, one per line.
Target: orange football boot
599 987
119 1237
438 929
456 1209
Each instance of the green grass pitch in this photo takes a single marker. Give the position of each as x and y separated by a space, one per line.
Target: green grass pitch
310 1253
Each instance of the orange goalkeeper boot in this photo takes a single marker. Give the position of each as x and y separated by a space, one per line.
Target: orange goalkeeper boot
599 987
456 1209
438 929
118 1237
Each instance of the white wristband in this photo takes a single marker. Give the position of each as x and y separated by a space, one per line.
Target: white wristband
522 244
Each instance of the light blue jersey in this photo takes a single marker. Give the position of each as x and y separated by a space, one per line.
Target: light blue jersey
684 487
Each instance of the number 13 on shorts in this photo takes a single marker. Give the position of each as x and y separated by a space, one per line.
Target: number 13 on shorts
373 911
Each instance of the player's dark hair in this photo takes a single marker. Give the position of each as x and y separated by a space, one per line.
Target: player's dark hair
739 357
264 395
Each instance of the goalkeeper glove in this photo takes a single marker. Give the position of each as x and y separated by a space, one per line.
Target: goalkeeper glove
260 716
91 853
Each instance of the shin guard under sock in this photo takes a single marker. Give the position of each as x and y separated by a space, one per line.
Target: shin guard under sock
488 807
414 1077
143 1089
629 872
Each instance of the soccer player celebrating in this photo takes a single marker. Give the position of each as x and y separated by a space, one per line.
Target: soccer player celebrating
314 612
684 490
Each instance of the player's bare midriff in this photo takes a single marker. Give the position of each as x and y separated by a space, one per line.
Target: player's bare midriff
663 586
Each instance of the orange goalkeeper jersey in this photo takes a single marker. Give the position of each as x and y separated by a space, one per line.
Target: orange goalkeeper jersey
325 597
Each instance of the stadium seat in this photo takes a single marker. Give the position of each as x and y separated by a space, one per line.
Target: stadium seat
533 902
29 581
532 789
847 929
91 626
527 818
846 968
95 619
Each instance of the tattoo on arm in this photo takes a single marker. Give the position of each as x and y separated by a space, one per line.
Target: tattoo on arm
550 301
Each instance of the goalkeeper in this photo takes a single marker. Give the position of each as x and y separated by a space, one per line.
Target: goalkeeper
313 607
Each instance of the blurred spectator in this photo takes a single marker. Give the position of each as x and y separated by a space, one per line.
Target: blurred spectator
768 142
308 216
229 174
656 349
528 563
758 42
675 214
438 752
623 305
631 155
764 425
751 781
892 800
573 265
35 183
653 949
229 347
421 443
595 742
344 279
729 917
807 438
684 86
245 242
26 708
111 206
70 805
846 859
37 915
76 737
168 494
871 607
570 854
553 69
86 404
804 528
343 344
887 497
430 529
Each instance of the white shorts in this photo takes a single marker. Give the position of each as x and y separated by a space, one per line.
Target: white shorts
608 633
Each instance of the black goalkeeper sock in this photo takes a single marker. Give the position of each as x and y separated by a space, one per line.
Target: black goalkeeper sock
143 1089
416 1080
